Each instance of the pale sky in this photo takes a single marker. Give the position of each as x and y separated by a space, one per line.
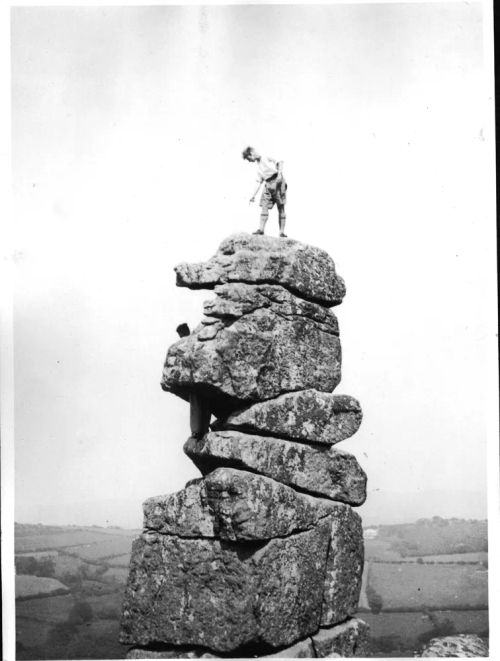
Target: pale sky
127 130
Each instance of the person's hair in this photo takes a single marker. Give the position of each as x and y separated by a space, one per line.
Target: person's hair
183 330
246 152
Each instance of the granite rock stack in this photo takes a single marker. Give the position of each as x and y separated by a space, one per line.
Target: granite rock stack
263 554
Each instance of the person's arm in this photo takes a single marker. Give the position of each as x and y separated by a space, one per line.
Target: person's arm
252 199
279 165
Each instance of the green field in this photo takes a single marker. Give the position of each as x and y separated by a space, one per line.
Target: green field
102 549
411 586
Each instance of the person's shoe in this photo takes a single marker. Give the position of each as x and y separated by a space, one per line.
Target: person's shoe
258 232
283 235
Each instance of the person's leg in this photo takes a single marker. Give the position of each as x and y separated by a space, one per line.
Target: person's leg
282 219
199 415
264 209
264 215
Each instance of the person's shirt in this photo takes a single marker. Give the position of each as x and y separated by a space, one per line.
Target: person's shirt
266 168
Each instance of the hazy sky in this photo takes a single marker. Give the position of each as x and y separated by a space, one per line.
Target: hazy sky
127 129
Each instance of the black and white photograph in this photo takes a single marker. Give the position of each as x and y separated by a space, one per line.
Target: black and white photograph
249 368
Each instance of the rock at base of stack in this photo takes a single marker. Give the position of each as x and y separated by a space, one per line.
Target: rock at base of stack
262 555
345 640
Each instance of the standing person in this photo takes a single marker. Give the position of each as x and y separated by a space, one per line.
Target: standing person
270 173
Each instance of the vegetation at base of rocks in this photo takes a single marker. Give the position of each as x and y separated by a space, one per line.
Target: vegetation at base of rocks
398 634
444 627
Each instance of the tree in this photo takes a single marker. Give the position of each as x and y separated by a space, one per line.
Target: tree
80 613
374 600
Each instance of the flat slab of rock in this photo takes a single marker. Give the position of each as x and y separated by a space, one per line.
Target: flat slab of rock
322 471
346 640
306 271
234 505
224 595
307 415
344 567
261 354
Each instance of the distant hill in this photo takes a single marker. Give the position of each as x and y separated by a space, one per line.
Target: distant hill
386 507
381 507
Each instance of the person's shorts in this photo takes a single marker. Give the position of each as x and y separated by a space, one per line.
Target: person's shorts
274 193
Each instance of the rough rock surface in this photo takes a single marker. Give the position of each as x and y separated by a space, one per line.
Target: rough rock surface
343 640
259 355
223 595
462 645
344 568
321 471
306 271
349 639
307 415
234 505
237 299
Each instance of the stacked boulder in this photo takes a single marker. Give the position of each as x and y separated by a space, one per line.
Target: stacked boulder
262 555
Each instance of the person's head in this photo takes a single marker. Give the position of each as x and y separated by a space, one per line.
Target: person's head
250 154
183 330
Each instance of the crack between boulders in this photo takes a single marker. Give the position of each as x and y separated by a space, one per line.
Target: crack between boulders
252 431
314 646
289 289
239 465
246 542
229 319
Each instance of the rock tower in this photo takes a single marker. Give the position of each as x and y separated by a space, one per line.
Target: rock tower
263 555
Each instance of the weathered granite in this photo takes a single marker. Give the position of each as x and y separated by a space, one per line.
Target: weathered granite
234 505
349 639
306 271
326 472
460 645
306 415
344 568
236 299
345 640
257 356
223 595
